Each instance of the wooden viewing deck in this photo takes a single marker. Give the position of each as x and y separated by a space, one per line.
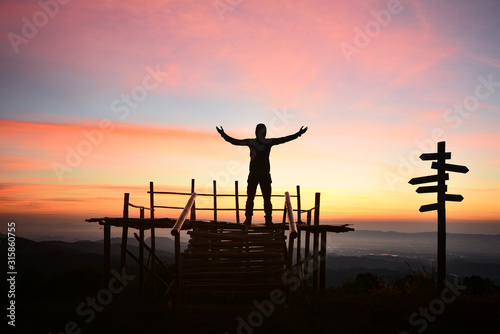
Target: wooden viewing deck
224 258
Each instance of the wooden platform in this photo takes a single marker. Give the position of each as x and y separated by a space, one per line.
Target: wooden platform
225 260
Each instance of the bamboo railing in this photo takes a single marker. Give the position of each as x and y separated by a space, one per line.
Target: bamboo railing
176 233
215 208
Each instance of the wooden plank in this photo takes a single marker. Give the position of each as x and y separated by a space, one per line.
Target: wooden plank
429 207
430 178
191 269
236 287
236 244
225 265
239 243
233 274
229 236
251 255
201 263
431 189
449 167
435 156
212 250
453 198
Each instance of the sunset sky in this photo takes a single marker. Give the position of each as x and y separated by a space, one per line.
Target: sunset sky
98 98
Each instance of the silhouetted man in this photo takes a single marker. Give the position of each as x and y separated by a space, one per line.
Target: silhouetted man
260 147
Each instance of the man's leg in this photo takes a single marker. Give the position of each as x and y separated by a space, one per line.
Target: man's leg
265 188
251 190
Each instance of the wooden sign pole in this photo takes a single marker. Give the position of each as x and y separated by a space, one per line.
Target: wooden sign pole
441 234
442 168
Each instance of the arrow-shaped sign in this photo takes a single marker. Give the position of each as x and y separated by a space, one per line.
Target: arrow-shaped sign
429 207
449 167
435 156
453 198
430 178
431 189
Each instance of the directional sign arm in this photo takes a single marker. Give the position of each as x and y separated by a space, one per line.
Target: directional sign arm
432 189
430 178
435 156
449 167
429 207
453 198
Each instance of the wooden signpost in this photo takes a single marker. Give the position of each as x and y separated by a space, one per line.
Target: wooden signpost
442 168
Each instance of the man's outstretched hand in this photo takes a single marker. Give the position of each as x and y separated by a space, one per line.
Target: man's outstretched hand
220 130
302 130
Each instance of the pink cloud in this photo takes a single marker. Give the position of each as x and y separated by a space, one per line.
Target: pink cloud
31 146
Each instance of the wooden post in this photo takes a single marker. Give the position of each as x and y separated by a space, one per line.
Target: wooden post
316 208
284 214
107 253
299 207
441 235
141 259
292 230
308 236
178 266
299 257
299 220
176 231
315 247
152 200
126 198
215 201
152 256
322 264
123 255
307 252
193 208
236 198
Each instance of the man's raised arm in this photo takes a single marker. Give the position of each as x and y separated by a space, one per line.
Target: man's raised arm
234 141
296 135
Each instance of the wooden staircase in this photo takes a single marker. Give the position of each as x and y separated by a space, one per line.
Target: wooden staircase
232 263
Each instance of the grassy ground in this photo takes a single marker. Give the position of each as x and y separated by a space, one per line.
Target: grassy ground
361 305
364 313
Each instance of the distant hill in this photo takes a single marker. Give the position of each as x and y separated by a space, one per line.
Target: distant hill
50 258
387 254
475 247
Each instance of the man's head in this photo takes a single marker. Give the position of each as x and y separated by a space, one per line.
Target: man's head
260 131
